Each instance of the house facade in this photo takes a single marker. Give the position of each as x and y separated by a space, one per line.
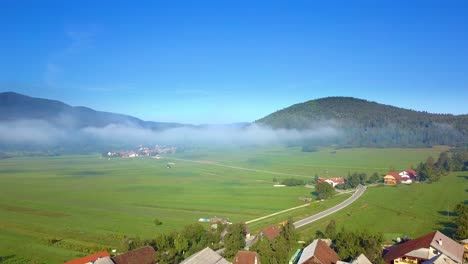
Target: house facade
392 178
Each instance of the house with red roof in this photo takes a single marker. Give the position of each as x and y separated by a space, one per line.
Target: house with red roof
332 181
318 252
246 257
392 178
270 232
429 248
101 257
408 176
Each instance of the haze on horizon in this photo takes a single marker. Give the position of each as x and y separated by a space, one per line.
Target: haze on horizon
217 62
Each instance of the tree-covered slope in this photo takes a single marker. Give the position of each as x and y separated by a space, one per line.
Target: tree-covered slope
364 123
14 106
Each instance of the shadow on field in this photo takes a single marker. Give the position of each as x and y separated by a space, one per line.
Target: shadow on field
85 173
448 228
5 258
447 213
463 176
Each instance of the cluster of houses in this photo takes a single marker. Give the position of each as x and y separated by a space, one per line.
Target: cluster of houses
432 248
332 181
406 177
142 152
391 178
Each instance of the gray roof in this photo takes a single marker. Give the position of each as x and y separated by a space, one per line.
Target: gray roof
361 259
448 247
308 251
439 259
105 260
206 256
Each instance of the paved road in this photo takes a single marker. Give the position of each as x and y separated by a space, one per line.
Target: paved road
359 191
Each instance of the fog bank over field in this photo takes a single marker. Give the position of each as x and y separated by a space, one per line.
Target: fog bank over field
43 133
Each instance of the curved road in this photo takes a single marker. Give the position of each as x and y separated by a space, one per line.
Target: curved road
359 191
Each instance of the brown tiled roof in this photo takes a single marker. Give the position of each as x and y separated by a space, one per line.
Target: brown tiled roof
143 255
319 251
246 257
90 258
448 247
395 175
411 171
271 232
325 254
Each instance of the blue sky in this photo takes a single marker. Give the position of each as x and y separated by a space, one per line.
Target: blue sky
234 61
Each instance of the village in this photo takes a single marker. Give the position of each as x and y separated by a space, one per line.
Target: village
431 248
141 152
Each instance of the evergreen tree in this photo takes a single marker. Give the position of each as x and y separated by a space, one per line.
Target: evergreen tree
461 221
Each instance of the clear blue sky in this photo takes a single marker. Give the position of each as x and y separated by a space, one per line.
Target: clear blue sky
234 61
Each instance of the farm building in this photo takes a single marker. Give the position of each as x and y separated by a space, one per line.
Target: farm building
434 247
318 252
392 178
408 176
332 181
246 257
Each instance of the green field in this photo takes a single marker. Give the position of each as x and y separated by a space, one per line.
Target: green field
403 210
90 203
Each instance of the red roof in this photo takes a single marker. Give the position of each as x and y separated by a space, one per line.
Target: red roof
406 247
449 247
325 254
90 258
271 232
335 180
246 257
318 252
411 171
395 175
143 255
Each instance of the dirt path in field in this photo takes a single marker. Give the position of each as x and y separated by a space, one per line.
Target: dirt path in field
213 163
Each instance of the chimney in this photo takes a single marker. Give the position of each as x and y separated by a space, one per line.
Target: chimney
439 241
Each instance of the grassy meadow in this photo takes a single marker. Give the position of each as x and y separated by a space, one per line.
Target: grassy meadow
88 203
403 210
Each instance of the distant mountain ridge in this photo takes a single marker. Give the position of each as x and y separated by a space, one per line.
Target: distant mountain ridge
14 106
358 123
366 123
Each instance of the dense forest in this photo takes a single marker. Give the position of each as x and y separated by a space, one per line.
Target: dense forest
363 123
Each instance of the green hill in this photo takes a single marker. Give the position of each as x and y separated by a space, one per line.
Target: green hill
14 106
365 123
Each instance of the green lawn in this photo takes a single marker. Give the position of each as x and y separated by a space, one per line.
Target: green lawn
90 203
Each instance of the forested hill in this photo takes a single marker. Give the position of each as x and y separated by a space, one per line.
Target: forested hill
14 106
365 123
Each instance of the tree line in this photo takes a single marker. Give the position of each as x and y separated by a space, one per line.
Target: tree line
448 161
368 124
